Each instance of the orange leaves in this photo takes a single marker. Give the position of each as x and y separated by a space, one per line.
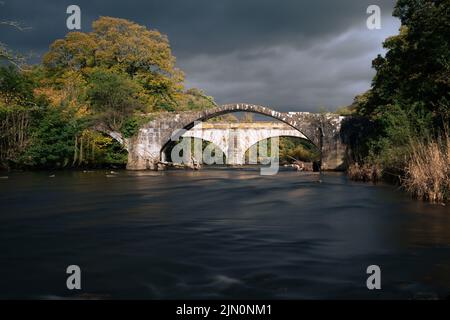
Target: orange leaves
117 43
121 47
75 52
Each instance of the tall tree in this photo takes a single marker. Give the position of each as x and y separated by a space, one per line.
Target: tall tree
121 46
410 94
415 73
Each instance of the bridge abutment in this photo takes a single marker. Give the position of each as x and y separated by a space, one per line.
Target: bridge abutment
323 130
144 151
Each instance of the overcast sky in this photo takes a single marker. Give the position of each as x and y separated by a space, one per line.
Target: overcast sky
292 55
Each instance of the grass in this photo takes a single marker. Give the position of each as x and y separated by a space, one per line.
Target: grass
424 172
427 172
365 172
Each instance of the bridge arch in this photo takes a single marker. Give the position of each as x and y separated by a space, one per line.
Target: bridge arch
113 134
322 130
303 122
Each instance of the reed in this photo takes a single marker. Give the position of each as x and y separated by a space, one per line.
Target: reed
427 172
365 172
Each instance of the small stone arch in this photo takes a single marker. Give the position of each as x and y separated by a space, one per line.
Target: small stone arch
300 121
113 134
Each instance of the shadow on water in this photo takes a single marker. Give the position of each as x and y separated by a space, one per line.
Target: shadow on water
218 233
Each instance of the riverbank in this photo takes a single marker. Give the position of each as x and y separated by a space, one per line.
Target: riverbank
427 173
424 173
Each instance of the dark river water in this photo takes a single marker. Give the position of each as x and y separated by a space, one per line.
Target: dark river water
217 233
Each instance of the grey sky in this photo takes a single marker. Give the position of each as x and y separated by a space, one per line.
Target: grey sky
288 54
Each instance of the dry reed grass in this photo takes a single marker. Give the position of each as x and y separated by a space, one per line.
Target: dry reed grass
427 173
365 172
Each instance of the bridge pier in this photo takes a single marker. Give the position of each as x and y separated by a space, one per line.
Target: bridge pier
235 157
145 149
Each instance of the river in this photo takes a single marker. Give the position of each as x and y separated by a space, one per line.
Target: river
217 233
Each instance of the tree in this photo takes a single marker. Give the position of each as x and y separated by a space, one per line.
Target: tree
123 47
15 87
5 52
410 92
115 76
17 103
53 133
415 74
192 99
113 98
76 52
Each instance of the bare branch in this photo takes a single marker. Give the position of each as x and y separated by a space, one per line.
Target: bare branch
5 53
8 55
15 24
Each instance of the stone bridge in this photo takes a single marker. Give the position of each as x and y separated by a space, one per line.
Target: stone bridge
234 139
146 148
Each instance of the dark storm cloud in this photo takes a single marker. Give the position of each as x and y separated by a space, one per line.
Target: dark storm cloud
289 54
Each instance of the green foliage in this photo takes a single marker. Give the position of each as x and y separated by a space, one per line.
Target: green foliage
52 139
113 154
132 124
192 99
130 127
34 134
59 139
411 89
195 99
113 98
291 147
122 47
15 87
166 106
113 76
95 149
17 104
345 111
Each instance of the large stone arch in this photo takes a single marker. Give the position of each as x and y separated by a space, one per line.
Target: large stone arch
146 147
304 122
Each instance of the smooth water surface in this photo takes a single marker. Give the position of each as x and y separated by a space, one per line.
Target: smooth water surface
217 233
